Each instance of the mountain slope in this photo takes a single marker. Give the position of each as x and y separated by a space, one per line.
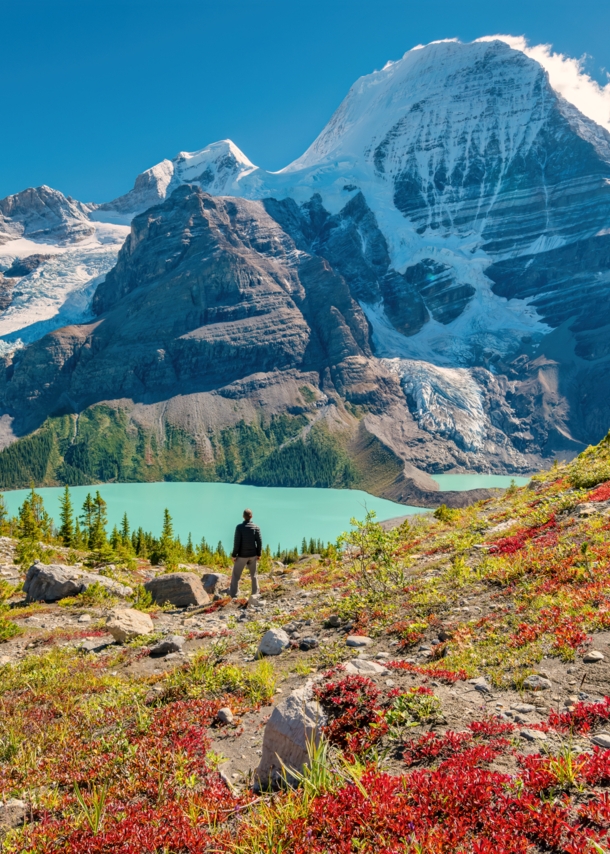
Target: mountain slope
438 259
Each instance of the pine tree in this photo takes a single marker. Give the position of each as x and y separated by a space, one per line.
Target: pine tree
88 517
190 551
167 532
3 510
304 547
33 521
125 530
98 531
78 539
116 539
66 515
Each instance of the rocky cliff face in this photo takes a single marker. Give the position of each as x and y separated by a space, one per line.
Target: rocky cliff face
434 269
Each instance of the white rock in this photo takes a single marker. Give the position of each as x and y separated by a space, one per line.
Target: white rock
358 640
84 618
365 667
273 642
592 656
125 624
602 739
294 723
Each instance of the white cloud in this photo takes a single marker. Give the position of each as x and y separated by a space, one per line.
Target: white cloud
568 77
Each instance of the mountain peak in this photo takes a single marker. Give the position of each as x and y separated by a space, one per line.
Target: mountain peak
216 168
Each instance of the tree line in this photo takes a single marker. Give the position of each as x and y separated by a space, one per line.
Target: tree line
87 531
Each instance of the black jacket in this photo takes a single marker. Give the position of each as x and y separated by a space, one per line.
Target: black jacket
247 541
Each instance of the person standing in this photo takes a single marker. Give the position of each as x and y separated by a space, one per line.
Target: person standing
247 548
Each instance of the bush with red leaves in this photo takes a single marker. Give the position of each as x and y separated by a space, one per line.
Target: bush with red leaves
600 493
354 712
514 543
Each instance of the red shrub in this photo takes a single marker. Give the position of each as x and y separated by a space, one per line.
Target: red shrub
600 493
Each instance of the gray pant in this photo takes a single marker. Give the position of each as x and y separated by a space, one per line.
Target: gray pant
238 568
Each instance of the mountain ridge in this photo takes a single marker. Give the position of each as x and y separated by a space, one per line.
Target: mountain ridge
460 204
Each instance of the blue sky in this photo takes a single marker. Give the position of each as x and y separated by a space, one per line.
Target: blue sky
95 91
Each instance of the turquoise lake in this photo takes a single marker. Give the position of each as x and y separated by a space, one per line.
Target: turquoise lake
212 510
461 482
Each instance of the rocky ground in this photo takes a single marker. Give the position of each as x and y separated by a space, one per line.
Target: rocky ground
464 652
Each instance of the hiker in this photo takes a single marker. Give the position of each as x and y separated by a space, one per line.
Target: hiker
247 547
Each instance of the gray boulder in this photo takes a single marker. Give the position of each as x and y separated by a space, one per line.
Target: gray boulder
213 582
294 723
537 683
172 643
273 642
48 583
180 589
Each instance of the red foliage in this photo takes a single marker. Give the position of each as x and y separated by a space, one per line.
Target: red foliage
514 543
600 493
447 676
354 712
581 718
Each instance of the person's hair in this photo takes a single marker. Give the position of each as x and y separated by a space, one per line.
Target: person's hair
247 515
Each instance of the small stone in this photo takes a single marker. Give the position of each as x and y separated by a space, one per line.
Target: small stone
382 655
532 735
390 683
602 739
592 656
308 643
84 618
273 642
365 667
537 683
172 643
334 621
358 640
523 708
256 601
225 715
481 685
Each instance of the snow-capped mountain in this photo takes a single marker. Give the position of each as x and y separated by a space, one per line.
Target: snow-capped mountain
466 205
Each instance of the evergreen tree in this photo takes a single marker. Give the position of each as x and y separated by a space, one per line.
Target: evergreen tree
88 517
98 531
167 532
66 515
3 511
116 539
304 547
125 531
77 538
190 551
33 521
